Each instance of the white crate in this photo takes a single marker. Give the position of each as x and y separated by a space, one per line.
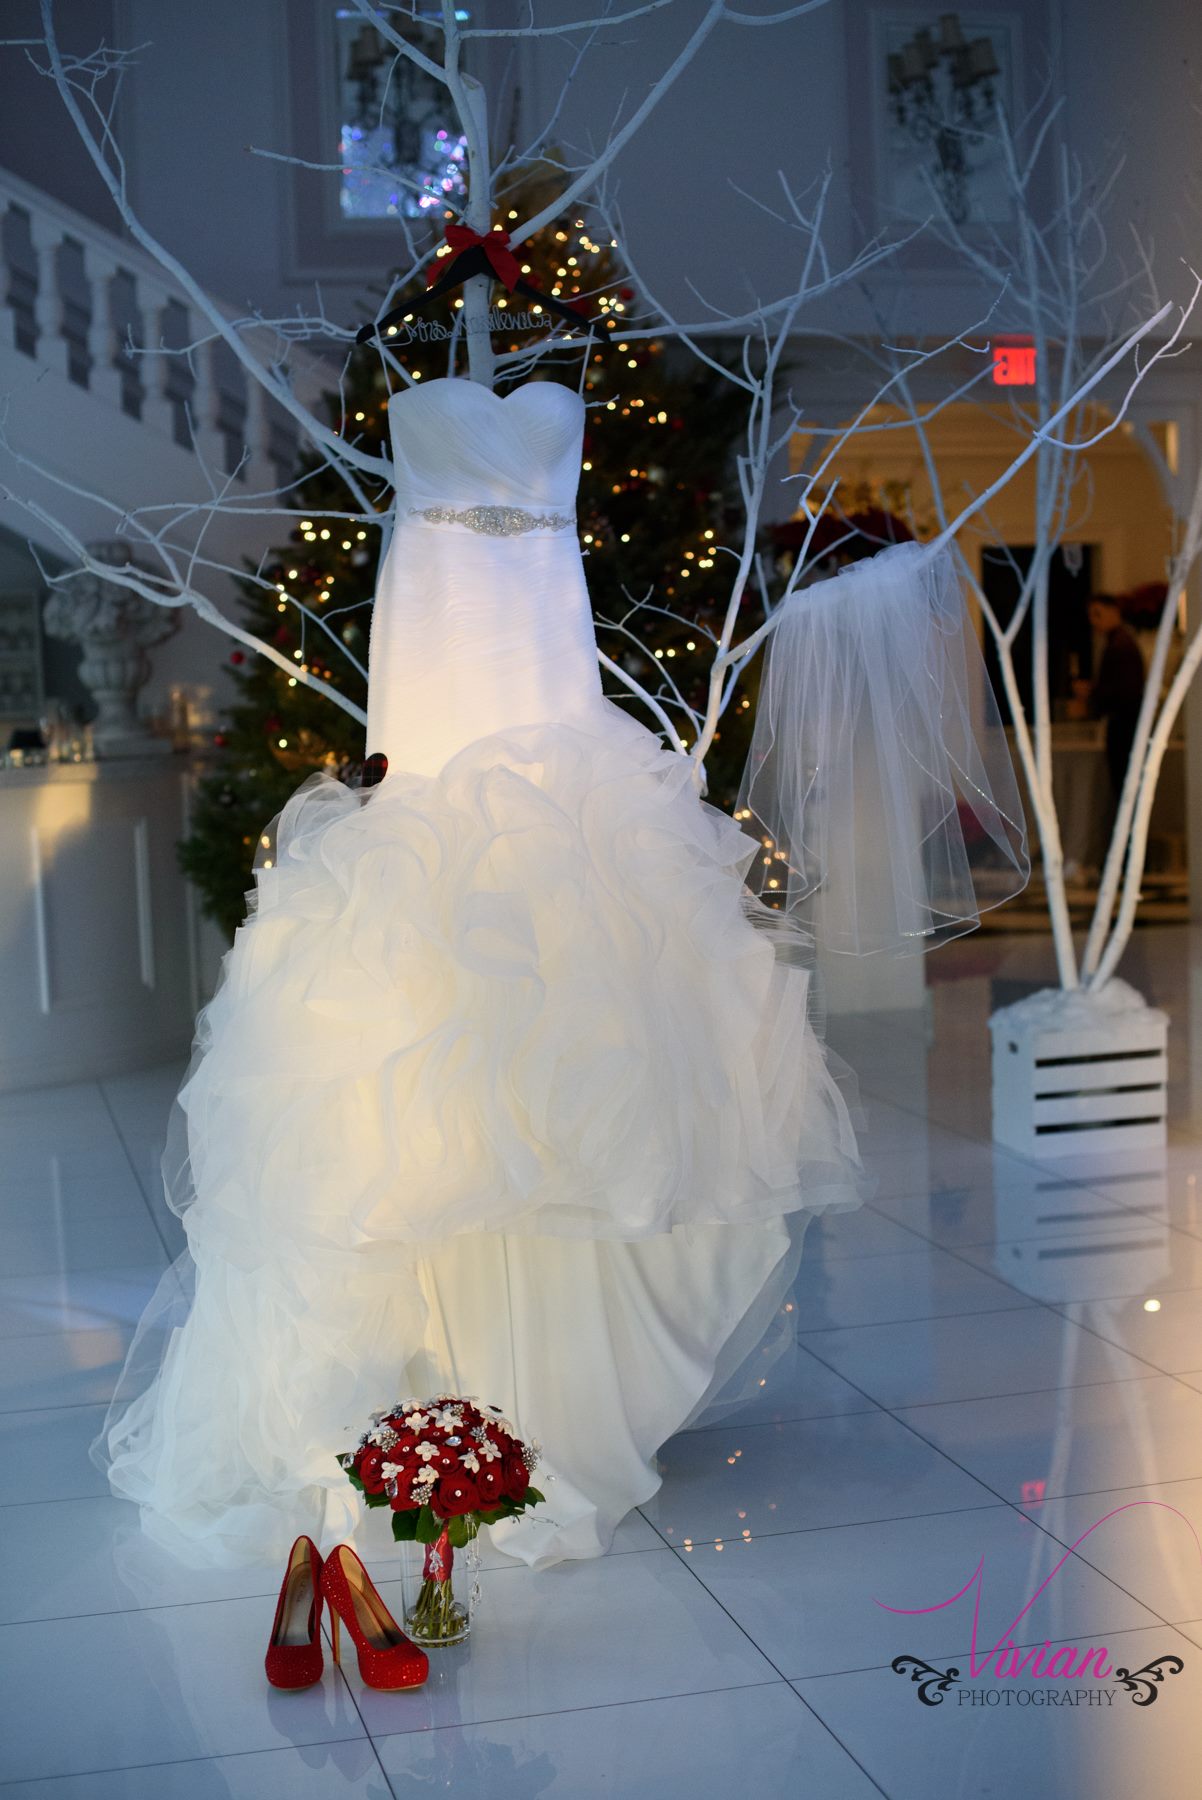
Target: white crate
1074 1073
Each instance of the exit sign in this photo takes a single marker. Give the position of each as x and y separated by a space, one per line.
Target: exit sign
1014 364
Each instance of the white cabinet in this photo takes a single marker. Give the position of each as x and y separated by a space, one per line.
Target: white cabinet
98 928
20 661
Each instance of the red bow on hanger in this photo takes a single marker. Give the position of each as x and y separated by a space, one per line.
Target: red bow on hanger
483 253
495 245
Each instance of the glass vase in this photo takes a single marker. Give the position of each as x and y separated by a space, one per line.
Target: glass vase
435 1615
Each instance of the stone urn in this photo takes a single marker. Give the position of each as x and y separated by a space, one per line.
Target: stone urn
116 629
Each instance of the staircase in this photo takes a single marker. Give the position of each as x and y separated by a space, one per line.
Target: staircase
83 404
103 960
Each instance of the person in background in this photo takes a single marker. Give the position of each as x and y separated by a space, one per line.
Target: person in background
1117 689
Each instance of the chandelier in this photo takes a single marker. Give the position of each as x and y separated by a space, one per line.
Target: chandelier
942 90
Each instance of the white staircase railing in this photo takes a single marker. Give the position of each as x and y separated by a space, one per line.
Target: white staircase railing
75 301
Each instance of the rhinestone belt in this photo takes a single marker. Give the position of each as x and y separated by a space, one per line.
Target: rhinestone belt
496 521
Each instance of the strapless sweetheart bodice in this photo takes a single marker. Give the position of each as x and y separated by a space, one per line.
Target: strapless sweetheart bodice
457 444
482 620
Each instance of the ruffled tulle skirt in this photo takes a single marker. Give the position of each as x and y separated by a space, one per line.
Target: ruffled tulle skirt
508 1087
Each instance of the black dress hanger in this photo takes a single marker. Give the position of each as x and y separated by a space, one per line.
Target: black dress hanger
488 253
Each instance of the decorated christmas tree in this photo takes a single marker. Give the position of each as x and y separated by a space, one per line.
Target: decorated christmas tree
654 495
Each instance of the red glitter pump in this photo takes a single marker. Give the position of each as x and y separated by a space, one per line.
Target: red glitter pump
294 1658
388 1660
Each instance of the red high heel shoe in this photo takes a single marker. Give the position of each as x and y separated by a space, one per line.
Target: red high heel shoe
387 1658
294 1658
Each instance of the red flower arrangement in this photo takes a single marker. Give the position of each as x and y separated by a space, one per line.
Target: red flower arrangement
1142 606
446 1464
854 535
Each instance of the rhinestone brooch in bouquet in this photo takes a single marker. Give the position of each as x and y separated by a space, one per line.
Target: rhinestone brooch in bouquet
445 1467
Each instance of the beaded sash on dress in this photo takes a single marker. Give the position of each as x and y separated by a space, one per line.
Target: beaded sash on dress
496 521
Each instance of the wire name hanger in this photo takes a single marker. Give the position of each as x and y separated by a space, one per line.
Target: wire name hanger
480 253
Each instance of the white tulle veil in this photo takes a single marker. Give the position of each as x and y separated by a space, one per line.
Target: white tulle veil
879 782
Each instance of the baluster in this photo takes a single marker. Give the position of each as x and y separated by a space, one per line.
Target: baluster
100 268
129 340
20 278
260 471
46 237
279 441
150 297
175 375
226 408
206 409
76 309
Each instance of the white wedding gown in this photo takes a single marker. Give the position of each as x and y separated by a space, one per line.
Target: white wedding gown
508 1087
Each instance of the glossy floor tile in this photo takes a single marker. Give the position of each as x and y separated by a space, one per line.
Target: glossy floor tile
61 1370
1138 1257
586 1634
44 1455
816 1601
1149 1538
1101 1745
993 1355
153 1686
971 1355
995 1206
67 1300
747 1740
313 1772
1075 1440
795 1384
910 1284
795 1476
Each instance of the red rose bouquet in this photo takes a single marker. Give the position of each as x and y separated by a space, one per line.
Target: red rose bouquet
445 1467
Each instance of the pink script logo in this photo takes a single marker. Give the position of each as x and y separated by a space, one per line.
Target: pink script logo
1005 1661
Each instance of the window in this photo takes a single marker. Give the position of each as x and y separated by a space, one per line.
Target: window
400 148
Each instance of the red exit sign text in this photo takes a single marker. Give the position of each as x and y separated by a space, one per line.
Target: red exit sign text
1014 365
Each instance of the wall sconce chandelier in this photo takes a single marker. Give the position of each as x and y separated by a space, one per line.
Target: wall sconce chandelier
942 90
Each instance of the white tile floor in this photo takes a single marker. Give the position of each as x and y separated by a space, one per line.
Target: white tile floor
978 1380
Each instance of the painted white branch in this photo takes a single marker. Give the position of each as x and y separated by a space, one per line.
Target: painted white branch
472 106
570 27
180 564
1158 743
1056 264
1087 387
648 699
1108 935
279 390
586 178
122 575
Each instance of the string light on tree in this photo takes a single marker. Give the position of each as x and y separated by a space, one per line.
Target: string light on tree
649 490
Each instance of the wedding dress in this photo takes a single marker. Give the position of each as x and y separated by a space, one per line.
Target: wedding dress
508 1087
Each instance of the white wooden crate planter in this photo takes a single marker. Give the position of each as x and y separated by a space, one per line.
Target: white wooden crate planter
1077 1073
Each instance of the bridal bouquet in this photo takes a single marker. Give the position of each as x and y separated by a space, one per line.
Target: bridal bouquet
445 1466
